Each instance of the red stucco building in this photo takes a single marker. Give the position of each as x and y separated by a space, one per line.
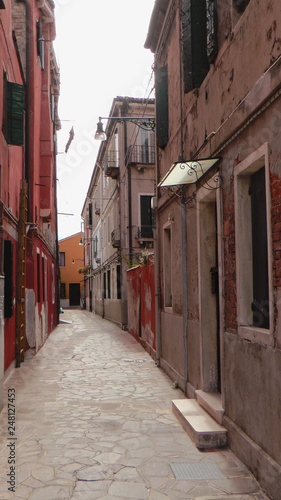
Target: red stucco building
29 88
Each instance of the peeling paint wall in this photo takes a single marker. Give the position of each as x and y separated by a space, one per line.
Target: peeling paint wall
141 304
231 115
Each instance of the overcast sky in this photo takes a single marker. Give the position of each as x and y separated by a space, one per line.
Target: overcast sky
100 51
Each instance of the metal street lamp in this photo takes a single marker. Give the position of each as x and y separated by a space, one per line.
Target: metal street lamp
145 123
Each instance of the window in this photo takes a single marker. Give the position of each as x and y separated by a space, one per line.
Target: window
2 4
108 285
162 108
9 281
95 247
146 230
43 278
147 146
52 107
40 43
62 259
199 35
212 38
13 112
253 247
118 281
38 278
90 214
167 259
104 285
62 291
53 284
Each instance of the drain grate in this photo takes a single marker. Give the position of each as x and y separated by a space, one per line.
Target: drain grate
196 471
133 360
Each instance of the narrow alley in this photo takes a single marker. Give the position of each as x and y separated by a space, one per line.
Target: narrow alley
94 420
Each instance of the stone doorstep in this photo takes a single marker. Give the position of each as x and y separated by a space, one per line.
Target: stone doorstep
211 402
202 429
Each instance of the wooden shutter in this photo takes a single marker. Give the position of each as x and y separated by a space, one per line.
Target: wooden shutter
15 109
212 38
40 43
146 217
9 280
90 214
162 109
260 303
194 35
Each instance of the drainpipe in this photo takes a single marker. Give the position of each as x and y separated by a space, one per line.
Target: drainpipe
27 113
184 287
157 294
183 211
56 222
129 199
124 113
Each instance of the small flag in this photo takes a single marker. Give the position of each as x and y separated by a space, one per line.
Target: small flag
71 137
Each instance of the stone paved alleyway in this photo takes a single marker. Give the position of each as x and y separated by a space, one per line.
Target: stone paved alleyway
94 420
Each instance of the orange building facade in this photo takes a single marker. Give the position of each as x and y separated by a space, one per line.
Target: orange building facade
71 257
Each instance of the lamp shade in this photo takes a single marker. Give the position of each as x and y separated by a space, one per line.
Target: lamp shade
187 172
100 135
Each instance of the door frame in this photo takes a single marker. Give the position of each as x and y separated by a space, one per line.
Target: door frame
207 301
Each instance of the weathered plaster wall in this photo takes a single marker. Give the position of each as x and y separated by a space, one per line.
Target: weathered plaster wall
134 299
112 311
246 72
172 351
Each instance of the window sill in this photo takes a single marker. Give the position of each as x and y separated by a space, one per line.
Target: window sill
258 335
168 310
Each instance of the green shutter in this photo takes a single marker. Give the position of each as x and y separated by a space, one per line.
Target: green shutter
15 114
162 109
212 38
40 43
194 34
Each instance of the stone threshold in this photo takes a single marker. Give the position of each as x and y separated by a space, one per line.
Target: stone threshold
211 402
202 429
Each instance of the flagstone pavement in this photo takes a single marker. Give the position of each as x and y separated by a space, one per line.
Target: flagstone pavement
94 421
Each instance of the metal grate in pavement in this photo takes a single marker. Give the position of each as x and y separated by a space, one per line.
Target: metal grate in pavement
133 360
196 471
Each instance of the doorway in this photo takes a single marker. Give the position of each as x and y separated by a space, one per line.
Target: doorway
74 294
210 279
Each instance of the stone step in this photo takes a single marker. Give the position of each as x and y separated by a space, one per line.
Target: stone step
204 431
211 402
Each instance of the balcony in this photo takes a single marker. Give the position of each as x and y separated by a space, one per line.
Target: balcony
115 238
141 155
145 233
111 164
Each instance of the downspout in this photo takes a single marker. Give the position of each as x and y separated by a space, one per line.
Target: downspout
184 287
124 113
183 214
57 237
129 198
157 295
28 100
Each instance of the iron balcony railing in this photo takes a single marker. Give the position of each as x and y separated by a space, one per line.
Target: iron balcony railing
145 232
144 155
115 238
111 164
